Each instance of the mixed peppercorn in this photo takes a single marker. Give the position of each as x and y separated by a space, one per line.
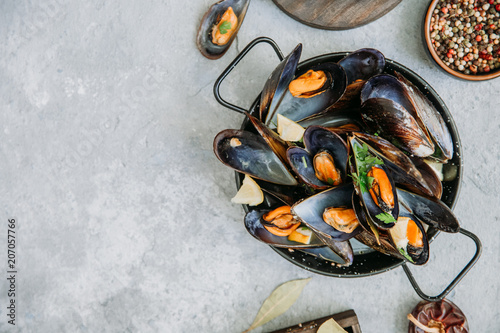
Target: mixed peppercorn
466 35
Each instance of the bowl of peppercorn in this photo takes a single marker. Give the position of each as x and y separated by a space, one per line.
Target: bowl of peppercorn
463 37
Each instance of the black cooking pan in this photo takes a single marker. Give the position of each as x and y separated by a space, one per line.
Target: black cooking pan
366 261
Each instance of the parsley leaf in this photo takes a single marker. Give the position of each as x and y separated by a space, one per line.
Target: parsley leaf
304 161
386 218
224 27
406 255
365 160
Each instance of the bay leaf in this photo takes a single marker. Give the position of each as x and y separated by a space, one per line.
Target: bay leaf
331 326
280 300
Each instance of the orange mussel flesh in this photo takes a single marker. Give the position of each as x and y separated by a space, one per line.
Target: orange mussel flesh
341 218
282 220
325 169
308 84
381 190
222 31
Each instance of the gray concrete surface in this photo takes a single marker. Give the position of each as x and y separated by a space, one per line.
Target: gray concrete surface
123 212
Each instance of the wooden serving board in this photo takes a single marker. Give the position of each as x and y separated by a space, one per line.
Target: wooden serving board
346 319
336 14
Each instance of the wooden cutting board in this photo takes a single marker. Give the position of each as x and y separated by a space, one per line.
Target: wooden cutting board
347 319
336 14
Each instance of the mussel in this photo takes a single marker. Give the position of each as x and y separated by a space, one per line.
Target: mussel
323 162
297 95
374 185
281 230
406 240
312 210
250 154
310 92
219 27
397 110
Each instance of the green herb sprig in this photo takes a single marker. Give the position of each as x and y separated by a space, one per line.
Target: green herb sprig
386 218
406 255
224 27
364 162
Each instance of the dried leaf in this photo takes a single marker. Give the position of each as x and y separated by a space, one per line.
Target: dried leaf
280 300
331 326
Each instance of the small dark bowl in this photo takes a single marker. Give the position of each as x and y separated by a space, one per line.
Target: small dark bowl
434 56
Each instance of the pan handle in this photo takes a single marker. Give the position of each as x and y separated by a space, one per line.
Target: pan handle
457 278
234 63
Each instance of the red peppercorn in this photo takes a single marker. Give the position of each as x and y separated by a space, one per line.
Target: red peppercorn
492 26
478 38
491 2
486 56
486 68
445 10
478 27
497 7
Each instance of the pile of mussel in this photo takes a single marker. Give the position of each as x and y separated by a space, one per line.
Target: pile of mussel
367 167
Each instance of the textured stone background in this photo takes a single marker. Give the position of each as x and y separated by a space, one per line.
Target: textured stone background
125 224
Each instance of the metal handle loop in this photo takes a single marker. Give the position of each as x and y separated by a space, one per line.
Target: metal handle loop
234 63
457 278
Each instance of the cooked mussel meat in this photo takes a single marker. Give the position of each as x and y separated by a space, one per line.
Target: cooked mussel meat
381 189
325 168
341 218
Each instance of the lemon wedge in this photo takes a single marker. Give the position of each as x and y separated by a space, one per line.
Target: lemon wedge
331 326
398 232
249 193
289 130
436 167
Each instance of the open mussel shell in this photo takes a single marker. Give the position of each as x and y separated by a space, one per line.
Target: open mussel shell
363 64
431 179
298 108
375 211
301 162
211 19
253 224
318 140
277 85
402 169
430 211
249 153
275 142
310 211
